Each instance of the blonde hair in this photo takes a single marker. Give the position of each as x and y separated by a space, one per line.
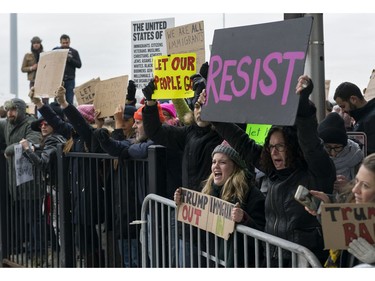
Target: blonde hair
234 189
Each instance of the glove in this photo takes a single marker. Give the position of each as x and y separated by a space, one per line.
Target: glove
132 87
60 95
305 107
102 135
204 70
149 90
34 100
198 81
362 250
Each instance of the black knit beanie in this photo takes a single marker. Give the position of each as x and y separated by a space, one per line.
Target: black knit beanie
332 129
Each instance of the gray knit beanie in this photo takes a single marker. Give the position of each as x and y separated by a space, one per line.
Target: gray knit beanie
231 153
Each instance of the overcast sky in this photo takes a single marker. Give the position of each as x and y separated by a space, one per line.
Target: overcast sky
104 43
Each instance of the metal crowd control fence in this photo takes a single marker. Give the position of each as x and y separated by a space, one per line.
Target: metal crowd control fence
94 211
80 215
202 249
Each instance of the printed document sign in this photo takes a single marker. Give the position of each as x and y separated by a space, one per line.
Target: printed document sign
24 169
148 40
50 72
253 71
206 212
347 221
172 76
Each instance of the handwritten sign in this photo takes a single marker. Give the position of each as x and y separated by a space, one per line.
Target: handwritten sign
172 76
23 167
50 72
206 212
258 132
347 221
253 72
187 38
148 40
109 94
85 93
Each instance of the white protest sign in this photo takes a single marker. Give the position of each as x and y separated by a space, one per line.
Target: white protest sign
23 167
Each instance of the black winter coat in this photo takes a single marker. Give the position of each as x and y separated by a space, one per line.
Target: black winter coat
195 143
285 217
255 218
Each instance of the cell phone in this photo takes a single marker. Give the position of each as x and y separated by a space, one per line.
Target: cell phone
304 197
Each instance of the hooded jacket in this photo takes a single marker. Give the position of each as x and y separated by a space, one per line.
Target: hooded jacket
12 134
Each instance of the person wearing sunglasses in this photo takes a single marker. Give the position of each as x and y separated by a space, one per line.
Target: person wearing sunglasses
43 156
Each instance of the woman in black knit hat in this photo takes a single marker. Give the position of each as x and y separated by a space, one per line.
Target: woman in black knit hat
345 153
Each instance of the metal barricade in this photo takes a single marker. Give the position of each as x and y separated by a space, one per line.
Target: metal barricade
96 198
160 231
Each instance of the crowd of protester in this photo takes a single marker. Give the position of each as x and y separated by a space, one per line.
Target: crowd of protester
215 158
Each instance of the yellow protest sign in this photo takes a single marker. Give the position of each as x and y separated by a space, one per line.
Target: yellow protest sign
258 132
172 76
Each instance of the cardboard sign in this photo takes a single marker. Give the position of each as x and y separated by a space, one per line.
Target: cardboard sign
23 167
370 90
206 212
109 94
172 76
254 70
361 139
50 72
347 221
187 38
85 93
258 132
148 40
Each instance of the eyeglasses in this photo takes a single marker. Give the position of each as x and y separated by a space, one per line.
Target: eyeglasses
280 147
335 148
43 123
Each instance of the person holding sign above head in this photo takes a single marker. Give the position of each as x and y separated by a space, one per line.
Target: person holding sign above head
231 181
195 142
291 156
362 191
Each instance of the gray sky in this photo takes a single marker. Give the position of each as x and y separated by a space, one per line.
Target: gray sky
103 41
